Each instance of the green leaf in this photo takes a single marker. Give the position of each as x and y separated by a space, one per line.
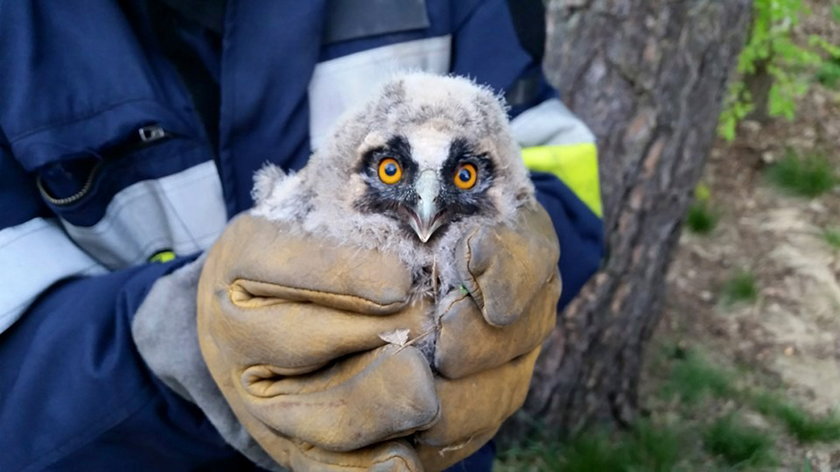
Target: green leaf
792 66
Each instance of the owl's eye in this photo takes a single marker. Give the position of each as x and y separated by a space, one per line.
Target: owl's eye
390 171
465 176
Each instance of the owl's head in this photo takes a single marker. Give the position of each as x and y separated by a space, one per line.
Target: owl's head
425 152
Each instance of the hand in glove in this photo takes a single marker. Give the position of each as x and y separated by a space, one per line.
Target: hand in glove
289 326
279 316
490 333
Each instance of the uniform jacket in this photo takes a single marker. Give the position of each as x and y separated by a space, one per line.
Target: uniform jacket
119 150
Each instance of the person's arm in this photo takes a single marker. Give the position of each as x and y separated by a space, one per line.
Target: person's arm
557 147
34 250
75 390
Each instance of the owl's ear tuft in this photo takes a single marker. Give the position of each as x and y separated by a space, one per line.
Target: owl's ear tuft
265 181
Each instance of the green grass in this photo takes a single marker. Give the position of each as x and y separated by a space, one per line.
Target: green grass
832 237
808 176
692 377
536 454
740 288
655 448
644 447
700 219
798 422
829 74
737 443
699 437
594 451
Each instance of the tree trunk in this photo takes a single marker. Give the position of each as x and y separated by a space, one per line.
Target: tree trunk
759 84
648 76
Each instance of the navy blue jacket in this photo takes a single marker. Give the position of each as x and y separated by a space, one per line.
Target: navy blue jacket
114 153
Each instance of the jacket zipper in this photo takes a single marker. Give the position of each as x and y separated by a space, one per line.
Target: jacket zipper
146 136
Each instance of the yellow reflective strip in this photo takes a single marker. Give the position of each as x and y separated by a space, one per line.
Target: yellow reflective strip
162 256
575 164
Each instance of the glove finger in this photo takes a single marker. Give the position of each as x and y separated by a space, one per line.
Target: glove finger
504 266
255 249
472 410
292 336
361 400
479 403
467 344
391 456
296 338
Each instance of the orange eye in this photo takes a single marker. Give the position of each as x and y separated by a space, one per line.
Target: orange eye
390 171
466 176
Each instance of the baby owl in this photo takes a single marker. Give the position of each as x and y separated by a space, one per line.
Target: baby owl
408 172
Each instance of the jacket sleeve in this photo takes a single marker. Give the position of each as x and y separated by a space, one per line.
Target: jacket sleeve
34 250
74 388
557 147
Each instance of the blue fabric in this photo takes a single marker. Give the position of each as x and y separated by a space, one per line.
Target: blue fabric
440 19
486 47
19 199
78 84
68 63
543 92
265 112
76 394
118 172
79 79
582 248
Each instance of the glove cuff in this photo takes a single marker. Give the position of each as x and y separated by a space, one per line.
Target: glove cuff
164 330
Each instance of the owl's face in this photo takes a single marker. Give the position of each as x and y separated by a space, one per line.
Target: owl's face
426 152
426 179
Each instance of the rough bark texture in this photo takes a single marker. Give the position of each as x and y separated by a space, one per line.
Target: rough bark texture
648 76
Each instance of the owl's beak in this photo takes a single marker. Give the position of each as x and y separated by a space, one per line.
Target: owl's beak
425 219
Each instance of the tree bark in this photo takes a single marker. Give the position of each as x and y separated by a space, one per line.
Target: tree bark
648 76
759 84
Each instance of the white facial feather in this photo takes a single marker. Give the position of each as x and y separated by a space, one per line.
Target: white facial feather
429 111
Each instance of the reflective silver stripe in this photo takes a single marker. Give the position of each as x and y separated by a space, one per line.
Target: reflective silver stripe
33 256
550 124
339 84
182 212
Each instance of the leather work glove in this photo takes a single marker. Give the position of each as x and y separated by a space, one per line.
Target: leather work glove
290 328
491 332
279 315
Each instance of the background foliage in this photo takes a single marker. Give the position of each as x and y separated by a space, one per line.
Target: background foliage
792 66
